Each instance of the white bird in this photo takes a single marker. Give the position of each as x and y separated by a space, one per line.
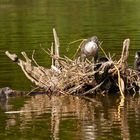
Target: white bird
90 48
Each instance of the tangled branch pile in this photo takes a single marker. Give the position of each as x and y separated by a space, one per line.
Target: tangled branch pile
77 77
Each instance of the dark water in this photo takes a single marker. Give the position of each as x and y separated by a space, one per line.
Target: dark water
27 25
71 118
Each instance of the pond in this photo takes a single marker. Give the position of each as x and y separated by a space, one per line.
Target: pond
70 118
27 26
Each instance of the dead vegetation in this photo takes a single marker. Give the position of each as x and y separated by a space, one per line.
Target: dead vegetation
75 77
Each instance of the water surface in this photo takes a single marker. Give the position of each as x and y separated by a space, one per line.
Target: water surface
27 25
71 118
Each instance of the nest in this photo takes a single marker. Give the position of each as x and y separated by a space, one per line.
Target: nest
75 77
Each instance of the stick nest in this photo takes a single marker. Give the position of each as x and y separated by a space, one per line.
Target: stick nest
81 78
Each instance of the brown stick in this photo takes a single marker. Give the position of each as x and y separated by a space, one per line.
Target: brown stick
57 45
125 52
34 74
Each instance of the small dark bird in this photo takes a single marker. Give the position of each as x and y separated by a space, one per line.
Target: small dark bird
101 60
108 84
4 92
90 48
100 77
137 61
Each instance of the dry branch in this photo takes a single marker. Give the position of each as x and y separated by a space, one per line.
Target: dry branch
76 77
57 45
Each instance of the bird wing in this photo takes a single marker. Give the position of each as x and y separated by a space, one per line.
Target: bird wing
90 46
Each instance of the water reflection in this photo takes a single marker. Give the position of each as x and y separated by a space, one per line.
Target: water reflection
60 117
4 105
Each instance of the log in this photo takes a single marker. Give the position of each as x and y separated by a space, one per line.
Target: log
38 75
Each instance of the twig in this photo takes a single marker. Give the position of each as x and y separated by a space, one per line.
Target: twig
79 47
93 89
103 50
52 54
32 91
119 82
57 45
26 57
34 59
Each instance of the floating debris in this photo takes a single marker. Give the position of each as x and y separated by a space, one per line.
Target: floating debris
21 111
83 78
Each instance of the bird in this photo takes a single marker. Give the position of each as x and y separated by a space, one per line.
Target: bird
4 92
90 48
137 61
99 77
101 60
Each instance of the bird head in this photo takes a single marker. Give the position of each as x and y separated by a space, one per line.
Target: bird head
95 39
137 55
